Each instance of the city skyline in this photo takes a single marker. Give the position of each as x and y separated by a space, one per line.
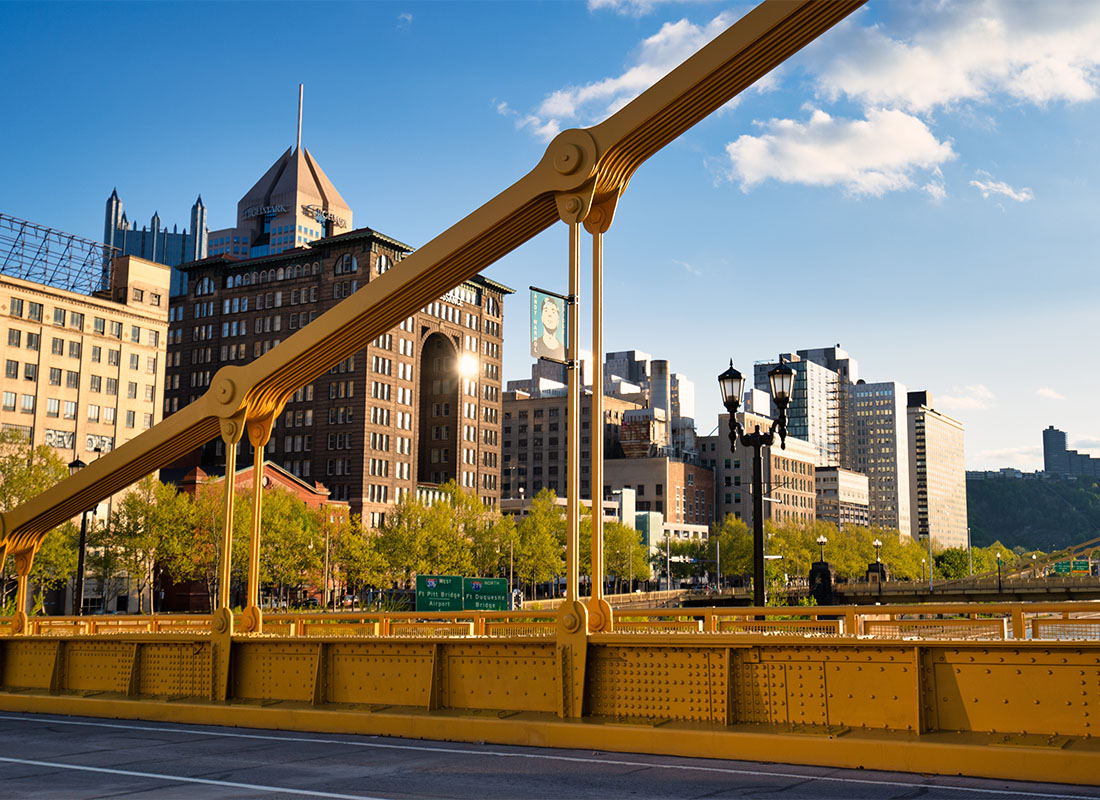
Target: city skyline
915 187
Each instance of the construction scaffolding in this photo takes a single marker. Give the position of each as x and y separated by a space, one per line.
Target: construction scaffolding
62 260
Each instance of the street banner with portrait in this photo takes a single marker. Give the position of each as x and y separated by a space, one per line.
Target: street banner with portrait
549 326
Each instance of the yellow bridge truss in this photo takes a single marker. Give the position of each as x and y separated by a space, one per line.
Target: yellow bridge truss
1014 695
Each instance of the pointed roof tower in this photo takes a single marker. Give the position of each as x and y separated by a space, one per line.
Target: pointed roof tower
296 186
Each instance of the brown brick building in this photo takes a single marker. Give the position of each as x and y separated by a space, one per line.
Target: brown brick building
420 405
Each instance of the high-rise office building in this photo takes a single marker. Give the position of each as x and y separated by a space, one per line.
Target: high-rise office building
937 474
292 205
154 243
877 434
814 413
1057 460
419 405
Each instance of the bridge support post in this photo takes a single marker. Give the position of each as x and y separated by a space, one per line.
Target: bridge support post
232 430
600 616
259 432
23 562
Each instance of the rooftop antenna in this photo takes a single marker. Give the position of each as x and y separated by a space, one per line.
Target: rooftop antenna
300 93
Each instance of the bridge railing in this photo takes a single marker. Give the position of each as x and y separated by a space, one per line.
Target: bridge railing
943 621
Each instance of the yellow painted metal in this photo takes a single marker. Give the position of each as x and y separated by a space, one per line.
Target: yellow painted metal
1009 706
1083 629
694 682
599 610
968 629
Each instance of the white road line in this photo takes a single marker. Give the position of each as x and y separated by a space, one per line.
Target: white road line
548 757
256 787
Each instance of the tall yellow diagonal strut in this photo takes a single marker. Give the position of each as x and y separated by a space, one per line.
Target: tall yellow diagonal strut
594 164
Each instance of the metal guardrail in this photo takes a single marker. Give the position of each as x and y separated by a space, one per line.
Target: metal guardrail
941 621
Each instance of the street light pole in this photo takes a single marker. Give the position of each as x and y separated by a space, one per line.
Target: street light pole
822 541
668 561
732 384
718 563
1000 588
930 562
78 584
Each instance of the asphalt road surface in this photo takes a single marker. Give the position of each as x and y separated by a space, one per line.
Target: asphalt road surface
44 756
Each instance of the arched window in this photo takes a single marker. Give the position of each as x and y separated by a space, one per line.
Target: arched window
280 274
255 278
316 267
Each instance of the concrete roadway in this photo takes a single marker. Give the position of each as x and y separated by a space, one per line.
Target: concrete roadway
74 758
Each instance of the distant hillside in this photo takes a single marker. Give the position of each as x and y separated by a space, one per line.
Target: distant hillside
1034 514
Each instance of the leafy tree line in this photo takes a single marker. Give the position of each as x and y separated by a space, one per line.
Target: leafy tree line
849 550
458 535
156 535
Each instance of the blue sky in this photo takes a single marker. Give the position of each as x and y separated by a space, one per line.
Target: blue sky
920 186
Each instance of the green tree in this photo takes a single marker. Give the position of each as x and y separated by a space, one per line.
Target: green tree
625 556
954 562
541 534
25 472
145 518
358 561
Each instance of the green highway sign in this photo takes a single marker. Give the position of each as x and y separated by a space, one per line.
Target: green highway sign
455 593
438 593
485 594
1061 567
1080 565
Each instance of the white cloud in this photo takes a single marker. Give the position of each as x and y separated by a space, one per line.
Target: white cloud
1019 457
967 398
595 101
405 18
870 156
688 268
1048 393
956 52
632 8
990 187
1085 445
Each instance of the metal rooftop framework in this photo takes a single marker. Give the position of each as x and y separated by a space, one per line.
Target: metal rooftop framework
62 260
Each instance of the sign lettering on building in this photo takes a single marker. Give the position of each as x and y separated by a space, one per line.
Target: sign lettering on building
322 214
61 439
257 211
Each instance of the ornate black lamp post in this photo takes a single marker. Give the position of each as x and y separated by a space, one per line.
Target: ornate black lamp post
1000 588
878 549
732 384
78 586
822 541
